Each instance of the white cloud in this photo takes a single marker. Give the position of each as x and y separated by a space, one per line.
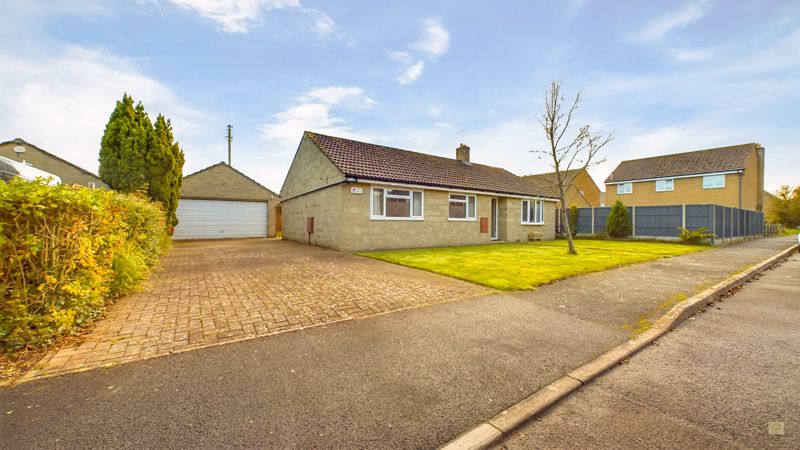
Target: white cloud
323 24
352 97
691 55
62 102
434 40
411 73
682 18
237 16
433 111
316 110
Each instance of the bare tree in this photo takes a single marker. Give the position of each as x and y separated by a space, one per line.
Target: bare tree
565 153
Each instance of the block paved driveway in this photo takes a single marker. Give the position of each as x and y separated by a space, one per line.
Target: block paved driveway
209 292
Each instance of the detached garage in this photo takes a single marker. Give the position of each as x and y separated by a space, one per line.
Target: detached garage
220 202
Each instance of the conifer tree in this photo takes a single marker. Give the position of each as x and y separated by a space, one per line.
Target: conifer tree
123 147
136 154
618 223
165 165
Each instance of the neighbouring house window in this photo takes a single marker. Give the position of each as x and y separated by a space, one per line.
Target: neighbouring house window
533 212
713 181
396 204
461 207
665 185
624 188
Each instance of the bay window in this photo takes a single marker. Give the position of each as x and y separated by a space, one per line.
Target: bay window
532 212
461 207
396 204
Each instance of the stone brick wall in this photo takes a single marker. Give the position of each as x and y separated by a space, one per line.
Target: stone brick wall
325 205
360 232
68 173
222 182
310 170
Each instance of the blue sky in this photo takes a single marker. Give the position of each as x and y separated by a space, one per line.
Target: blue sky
660 76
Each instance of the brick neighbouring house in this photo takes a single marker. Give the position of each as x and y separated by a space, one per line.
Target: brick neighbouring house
364 196
730 176
581 190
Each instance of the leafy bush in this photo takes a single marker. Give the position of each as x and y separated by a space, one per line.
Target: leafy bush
694 236
67 250
618 224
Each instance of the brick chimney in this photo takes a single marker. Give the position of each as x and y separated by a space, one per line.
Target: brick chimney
462 153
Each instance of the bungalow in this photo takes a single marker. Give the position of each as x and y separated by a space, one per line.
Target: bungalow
729 176
356 196
24 152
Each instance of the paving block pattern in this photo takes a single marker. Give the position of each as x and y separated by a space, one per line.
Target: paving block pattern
210 292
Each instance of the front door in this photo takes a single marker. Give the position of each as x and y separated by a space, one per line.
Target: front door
493 220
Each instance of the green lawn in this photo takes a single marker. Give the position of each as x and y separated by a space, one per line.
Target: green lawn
527 265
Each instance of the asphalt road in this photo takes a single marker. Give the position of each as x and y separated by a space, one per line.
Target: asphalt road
720 380
412 379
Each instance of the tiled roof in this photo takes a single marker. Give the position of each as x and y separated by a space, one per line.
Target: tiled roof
549 180
376 162
721 159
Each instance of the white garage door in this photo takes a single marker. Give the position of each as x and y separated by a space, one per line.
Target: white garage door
217 219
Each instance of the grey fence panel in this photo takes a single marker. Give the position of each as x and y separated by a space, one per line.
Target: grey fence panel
727 226
700 216
600 219
658 221
725 223
584 221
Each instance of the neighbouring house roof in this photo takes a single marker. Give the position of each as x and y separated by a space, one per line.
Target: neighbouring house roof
550 181
377 162
713 160
26 143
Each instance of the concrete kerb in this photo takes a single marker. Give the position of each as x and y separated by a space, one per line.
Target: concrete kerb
490 431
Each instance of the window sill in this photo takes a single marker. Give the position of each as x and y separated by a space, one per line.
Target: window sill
383 218
532 223
670 190
456 219
714 187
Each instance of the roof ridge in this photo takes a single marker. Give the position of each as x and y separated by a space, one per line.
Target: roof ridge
311 134
690 152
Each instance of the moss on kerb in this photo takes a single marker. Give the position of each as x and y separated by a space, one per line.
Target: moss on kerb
646 321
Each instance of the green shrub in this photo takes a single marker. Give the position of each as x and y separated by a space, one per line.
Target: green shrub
694 236
65 251
573 219
618 224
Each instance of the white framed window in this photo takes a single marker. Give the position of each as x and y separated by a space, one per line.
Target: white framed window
461 207
665 185
397 204
713 181
532 212
625 188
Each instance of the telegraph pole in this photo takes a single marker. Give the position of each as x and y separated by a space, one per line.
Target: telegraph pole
229 137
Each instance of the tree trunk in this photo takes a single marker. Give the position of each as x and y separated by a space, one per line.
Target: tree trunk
570 244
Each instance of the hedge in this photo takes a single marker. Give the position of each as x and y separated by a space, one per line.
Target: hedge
66 252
